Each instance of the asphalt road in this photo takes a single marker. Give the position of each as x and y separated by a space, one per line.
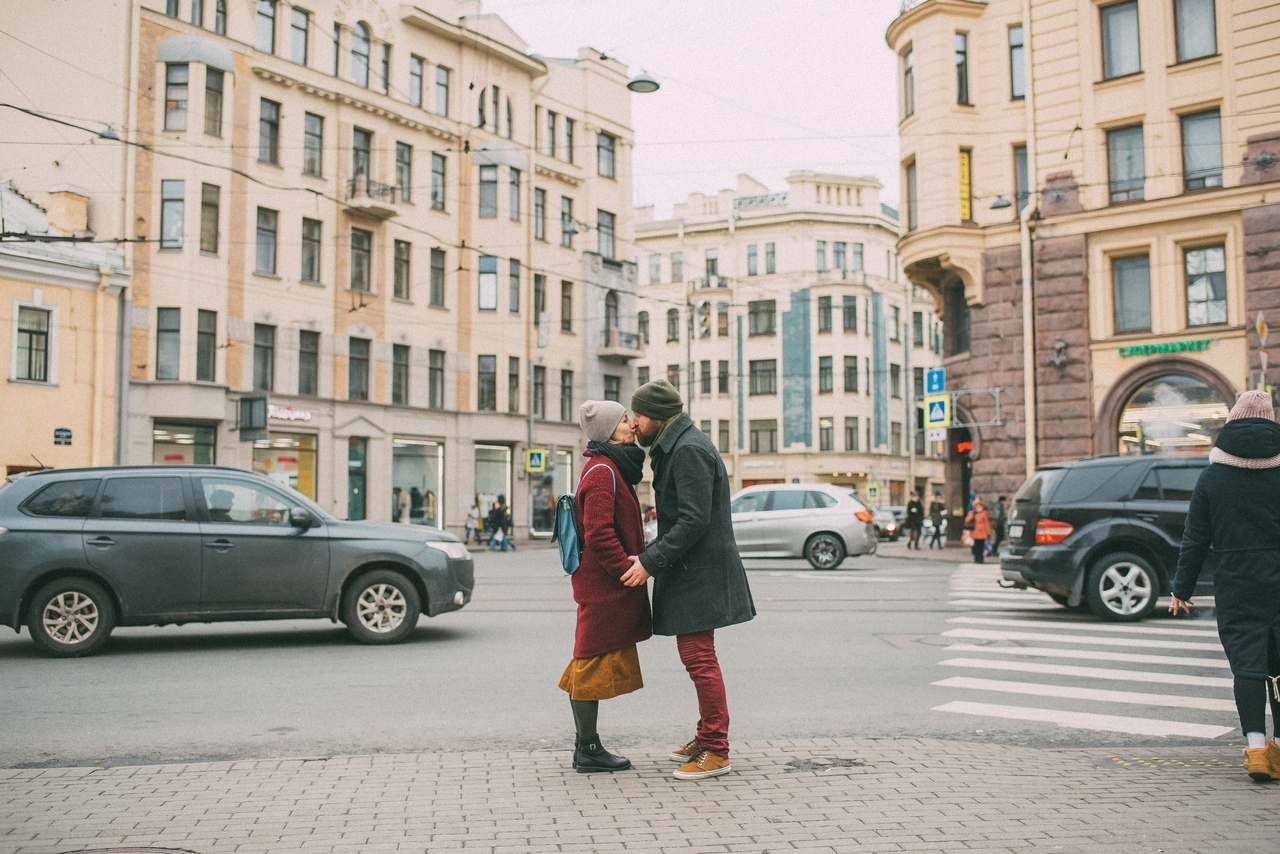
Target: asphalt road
849 653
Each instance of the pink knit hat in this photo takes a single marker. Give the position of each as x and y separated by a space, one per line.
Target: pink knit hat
1253 404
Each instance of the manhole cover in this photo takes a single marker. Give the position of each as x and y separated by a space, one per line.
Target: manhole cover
822 764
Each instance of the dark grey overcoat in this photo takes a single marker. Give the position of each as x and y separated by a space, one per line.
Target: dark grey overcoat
1236 511
698 579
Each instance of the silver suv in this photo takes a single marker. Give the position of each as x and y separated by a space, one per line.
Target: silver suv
817 521
85 550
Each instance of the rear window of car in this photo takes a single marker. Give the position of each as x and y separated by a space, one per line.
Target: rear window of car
752 502
1177 483
144 498
1092 482
820 499
68 498
1040 486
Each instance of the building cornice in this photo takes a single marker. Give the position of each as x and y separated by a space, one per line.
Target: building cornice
59 273
548 172
415 16
927 8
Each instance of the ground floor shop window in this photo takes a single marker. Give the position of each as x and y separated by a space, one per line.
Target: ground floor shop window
1171 414
416 471
493 478
289 459
547 488
182 444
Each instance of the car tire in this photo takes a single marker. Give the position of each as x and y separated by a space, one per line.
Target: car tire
380 607
71 617
1122 587
824 551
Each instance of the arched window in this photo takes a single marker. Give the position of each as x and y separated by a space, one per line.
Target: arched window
673 324
1171 414
480 112
957 320
360 55
642 327
611 311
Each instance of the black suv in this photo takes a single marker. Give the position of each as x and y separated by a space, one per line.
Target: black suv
1103 531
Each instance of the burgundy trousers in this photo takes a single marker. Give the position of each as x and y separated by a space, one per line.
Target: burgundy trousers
698 655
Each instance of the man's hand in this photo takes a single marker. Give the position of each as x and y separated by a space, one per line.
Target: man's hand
1185 605
636 575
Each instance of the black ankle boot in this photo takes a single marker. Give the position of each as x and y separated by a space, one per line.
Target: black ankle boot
590 756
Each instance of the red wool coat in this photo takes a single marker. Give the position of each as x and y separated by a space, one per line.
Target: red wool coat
610 615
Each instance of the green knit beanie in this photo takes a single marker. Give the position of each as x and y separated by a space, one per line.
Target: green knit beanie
658 400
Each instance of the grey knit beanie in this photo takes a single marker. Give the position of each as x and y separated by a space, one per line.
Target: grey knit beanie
599 418
658 400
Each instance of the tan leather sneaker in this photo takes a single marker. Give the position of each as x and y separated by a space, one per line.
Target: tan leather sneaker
705 764
1272 751
1256 764
686 753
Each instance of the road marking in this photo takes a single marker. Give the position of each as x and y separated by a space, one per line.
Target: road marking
1096 694
1090 672
998 634
1093 655
1089 627
1085 720
984 605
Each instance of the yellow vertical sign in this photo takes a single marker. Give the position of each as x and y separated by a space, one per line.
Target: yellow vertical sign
966 187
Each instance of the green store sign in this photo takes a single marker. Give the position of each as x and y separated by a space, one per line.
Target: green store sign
1196 346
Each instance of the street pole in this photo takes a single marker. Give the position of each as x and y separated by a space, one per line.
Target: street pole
1024 228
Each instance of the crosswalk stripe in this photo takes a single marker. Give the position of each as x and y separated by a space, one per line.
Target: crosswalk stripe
1001 634
1089 672
1092 655
1085 720
1143 629
985 605
1097 694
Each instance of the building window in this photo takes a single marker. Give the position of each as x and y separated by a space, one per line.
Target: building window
33 346
1131 280
539 391
539 214
673 324
908 83
895 381
206 344
913 213
839 260
850 374
442 91
172 211
824 314
605 145
209 210
764 436
358 369
1120 54
849 310
360 54
400 288
655 269
1206 286
404 171
488 290
850 434
308 363
722 319
764 376
966 185
704 319
513 383
437 277
513 200
567 228
917 328
753 260
269 131
704 376
722 376
826 434
264 357
171 8
361 260
313 144
415 80
437 182
1197 29
400 374
673 376
513 285
220 17
566 306
566 396
551 133
168 342
488 192
175 96
266 40
770 259
385 77
311 230
957 326
213 83
612 387
642 375
642 328
895 438
568 139
604 234
821 252
677 267
722 436
705 426
435 379
712 265
1017 64
1202 150
1021 179
762 317
337 46
1127 171
895 323
826 379
299 23
962 69
265 244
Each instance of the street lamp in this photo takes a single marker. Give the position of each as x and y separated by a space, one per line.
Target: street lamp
643 84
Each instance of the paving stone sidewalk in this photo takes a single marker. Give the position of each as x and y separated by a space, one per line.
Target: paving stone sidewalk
813 795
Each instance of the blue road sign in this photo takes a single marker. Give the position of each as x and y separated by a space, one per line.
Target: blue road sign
935 381
937 411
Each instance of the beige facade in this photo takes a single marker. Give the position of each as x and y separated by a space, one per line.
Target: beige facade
785 322
353 209
1141 137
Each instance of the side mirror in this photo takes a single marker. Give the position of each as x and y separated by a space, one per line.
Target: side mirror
300 517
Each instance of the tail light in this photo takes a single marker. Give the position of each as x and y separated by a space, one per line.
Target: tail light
1050 532
863 516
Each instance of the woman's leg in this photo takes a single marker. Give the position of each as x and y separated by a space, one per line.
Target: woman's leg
979 547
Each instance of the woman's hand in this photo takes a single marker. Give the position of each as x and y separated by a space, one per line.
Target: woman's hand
1184 605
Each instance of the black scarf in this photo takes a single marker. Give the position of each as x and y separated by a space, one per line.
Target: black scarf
628 458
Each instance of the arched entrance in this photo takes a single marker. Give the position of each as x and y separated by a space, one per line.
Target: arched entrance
1171 406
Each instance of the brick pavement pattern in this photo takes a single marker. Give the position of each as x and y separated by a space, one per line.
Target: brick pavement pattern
813 795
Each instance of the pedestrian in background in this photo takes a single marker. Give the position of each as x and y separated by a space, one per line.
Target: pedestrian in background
936 510
1235 514
699 584
977 523
914 521
472 525
999 517
498 525
612 617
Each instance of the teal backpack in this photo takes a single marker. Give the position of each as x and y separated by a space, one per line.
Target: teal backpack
566 532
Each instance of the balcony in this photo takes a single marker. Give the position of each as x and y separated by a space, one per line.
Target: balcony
619 346
372 198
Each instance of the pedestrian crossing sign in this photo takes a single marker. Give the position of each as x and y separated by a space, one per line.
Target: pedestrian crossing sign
536 460
937 411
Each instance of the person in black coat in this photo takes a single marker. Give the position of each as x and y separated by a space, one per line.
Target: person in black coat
699 583
914 521
1235 511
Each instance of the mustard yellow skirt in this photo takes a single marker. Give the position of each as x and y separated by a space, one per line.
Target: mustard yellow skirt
603 676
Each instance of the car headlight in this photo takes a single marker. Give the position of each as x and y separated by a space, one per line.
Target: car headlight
457 551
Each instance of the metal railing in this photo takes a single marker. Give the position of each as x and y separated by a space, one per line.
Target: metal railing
361 186
619 340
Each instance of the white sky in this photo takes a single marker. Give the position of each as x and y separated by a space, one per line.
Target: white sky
756 86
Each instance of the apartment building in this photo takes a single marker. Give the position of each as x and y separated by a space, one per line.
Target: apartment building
391 221
784 321
1131 151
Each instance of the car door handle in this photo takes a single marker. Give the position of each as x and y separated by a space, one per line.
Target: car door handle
1148 517
220 545
102 542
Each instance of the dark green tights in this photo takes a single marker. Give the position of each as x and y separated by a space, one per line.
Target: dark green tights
585 713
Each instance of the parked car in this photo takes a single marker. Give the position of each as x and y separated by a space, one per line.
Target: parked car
85 550
819 522
888 526
1103 532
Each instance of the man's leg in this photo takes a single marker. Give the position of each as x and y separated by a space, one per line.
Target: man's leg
698 654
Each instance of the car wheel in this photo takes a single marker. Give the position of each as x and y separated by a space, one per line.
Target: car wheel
71 617
1122 587
381 607
824 551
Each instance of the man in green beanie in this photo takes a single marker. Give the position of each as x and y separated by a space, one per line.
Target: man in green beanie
699 584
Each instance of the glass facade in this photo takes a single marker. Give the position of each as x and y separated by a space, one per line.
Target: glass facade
289 459
182 444
493 477
417 471
547 489
1172 414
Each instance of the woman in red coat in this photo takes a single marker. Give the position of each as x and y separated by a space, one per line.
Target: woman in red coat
612 618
